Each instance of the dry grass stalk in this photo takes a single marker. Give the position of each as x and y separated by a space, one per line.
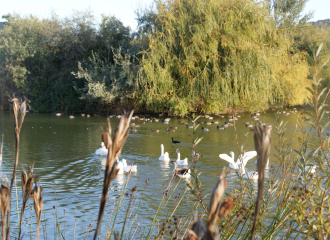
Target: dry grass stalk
262 145
19 114
114 146
1 149
215 202
38 204
27 184
217 209
4 203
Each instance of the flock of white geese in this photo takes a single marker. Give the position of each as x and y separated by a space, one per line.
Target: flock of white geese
184 172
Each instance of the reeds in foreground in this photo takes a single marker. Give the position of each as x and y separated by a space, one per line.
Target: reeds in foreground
1 149
114 146
19 114
27 184
4 203
217 209
262 145
38 204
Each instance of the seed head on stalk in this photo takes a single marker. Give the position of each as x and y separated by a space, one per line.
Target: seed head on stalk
38 204
1 149
114 146
27 184
19 110
262 145
4 203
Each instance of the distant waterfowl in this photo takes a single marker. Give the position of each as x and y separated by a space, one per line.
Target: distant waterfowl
132 168
180 172
133 129
174 141
257 114
154 130
102 151
120 167
170 130
210 118
253 175
163 156
221 116
179 122
165 122
173 127
205 129
215 122
181 162
88 115
156 120
166 119
307 119
189 126
83 114
71 116
208 123
112 116
220 128
58 114
230 160
243 158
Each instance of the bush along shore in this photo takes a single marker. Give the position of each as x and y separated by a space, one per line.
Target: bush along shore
185 56
289 204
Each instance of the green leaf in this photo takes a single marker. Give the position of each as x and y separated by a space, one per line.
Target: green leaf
310 60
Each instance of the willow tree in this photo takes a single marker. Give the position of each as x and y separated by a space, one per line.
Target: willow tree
215 55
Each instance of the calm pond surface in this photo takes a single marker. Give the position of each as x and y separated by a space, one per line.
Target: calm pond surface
63 152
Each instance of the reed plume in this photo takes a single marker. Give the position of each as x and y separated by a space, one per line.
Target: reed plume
38 204
1 149
19 114
114 146
262 145
4 204
27 184
217 209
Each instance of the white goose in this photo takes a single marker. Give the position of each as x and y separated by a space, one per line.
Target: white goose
253 175
242 158
163 156
180 172
231 160
120 167
132 168
181 162
102 151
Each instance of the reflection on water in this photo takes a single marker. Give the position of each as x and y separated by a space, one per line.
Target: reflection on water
63 151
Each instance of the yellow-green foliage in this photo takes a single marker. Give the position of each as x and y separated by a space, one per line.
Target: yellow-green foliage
214 55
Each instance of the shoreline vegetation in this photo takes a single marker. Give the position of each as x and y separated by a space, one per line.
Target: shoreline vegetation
185 56
288 204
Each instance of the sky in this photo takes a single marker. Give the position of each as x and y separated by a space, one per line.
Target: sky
124 10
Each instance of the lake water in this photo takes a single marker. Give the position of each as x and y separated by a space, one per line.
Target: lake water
63 152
